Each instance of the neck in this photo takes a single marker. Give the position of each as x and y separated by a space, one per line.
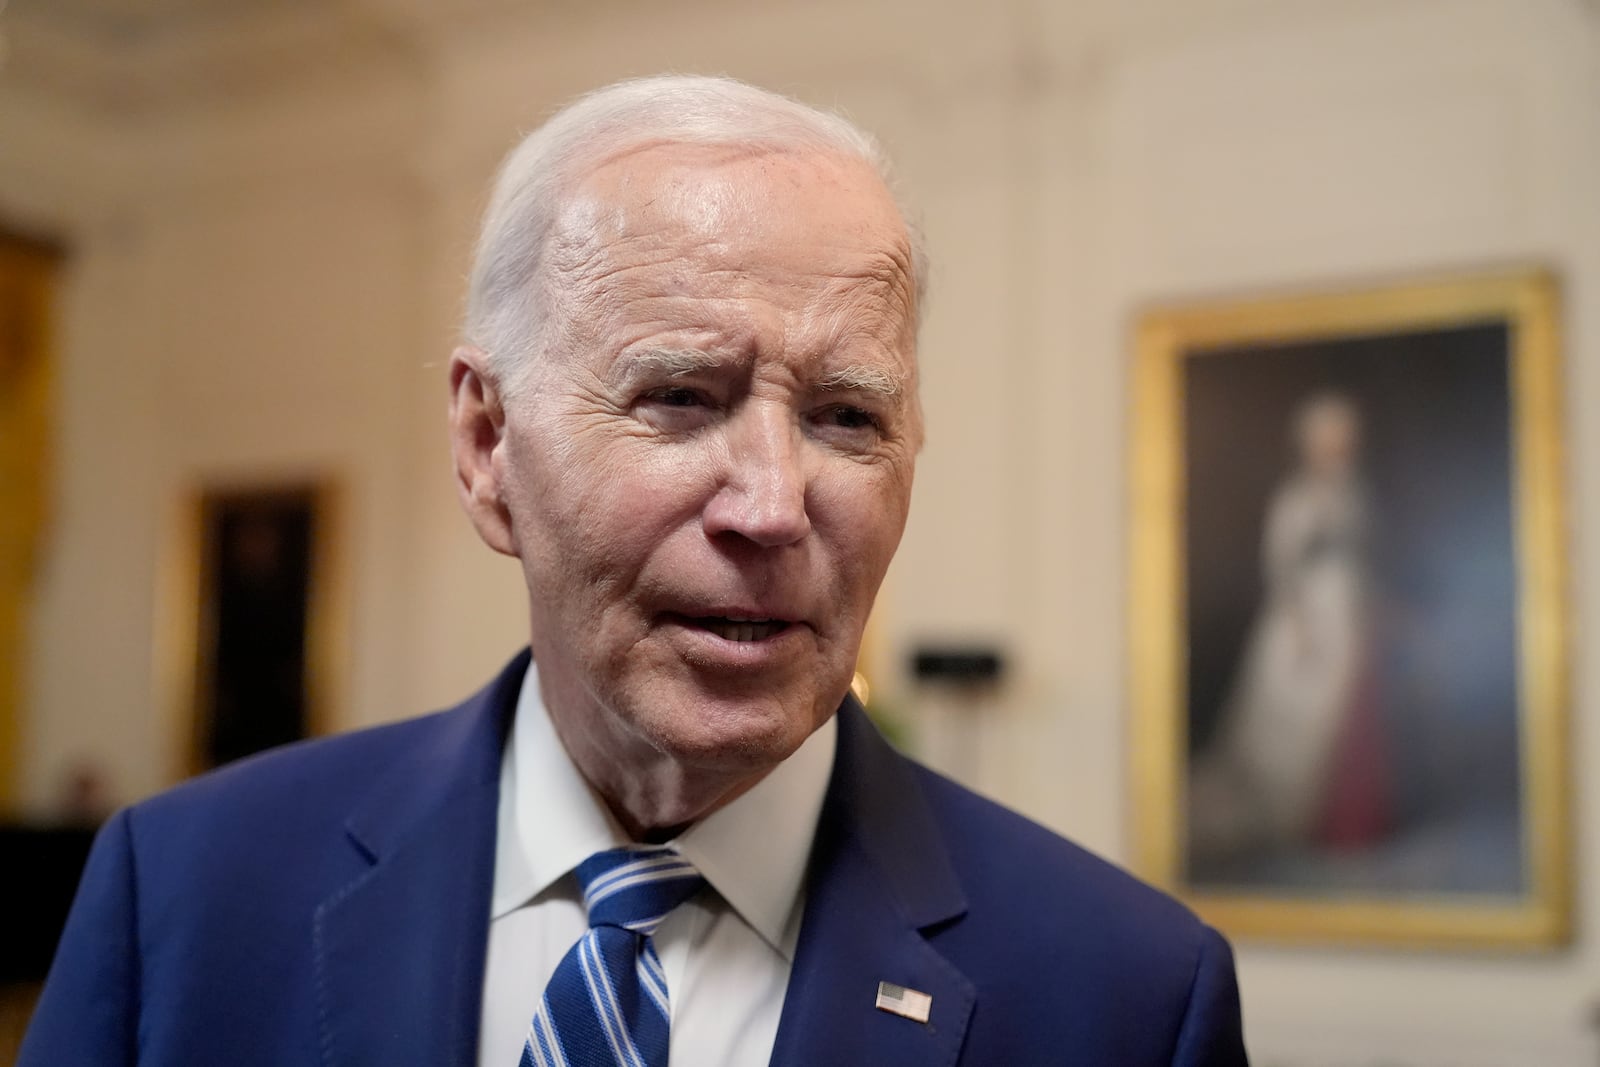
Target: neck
653 796
655 800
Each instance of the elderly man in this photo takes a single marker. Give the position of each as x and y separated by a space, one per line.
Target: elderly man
688 406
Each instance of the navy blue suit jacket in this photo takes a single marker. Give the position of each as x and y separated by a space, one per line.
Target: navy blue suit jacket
328 903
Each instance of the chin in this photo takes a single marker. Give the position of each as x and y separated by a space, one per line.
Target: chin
738 735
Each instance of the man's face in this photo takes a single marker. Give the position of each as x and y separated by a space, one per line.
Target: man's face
706 475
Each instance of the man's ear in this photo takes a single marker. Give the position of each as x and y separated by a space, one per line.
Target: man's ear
477 440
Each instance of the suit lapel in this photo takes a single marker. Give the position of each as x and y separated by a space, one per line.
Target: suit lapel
400 949
879 877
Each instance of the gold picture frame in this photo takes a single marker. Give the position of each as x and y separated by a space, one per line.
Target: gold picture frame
29 274
1349 631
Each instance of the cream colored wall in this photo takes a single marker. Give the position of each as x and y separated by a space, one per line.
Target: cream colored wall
269 288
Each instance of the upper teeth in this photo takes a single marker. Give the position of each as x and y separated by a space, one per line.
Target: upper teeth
743 629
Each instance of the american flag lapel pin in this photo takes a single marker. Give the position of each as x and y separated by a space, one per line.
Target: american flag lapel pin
898 1000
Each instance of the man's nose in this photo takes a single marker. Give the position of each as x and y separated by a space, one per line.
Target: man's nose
762 497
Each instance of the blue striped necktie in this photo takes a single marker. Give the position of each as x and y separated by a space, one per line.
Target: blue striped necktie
606 1004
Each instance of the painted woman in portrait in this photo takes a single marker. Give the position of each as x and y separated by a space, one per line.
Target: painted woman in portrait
1298 756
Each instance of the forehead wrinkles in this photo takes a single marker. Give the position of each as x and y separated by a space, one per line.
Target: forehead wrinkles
616 218
687 223
879 286
596 270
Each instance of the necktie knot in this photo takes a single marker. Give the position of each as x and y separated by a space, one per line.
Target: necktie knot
635 888
607 1004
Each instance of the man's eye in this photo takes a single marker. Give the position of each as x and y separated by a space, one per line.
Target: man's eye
677 397
850 418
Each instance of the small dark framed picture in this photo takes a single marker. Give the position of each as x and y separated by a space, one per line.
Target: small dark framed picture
254 618
1349 643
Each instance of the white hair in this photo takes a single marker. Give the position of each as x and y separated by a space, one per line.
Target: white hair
507 300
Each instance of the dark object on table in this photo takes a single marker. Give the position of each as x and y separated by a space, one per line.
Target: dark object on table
965 665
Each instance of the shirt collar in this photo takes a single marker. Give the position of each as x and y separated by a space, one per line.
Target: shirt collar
753 851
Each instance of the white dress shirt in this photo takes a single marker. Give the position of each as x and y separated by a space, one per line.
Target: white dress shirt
726 952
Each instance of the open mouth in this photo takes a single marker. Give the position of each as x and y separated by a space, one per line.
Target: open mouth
730 629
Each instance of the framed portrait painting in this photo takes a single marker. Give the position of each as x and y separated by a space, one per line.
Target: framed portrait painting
255 610
1349 638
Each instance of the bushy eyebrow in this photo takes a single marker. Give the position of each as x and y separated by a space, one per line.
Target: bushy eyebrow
681 362
862 379
675 362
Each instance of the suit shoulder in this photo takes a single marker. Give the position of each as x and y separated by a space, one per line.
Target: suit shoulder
1011 861
315 773
460 745
1057 939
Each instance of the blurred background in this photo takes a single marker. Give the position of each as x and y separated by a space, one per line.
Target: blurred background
239 233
